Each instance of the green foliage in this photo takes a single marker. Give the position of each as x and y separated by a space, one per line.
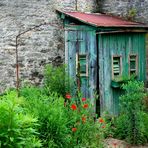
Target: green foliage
145 122
89 132
130 124
109 129
46 117
57 120
132 14
17 128
41 117
57 80
124 78
146 102
50 113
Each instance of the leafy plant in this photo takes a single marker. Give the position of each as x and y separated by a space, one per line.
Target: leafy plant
146 102
85 130
49 109
17 128
64 124
132 14
57 80
130 124
124 78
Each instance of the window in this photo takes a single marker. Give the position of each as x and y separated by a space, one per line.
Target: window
133 64
116 66
82 65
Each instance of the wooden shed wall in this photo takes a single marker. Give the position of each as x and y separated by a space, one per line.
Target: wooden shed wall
147 59
82 42
118 44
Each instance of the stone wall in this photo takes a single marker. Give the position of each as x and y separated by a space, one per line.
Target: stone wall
37 47
134 9
79 5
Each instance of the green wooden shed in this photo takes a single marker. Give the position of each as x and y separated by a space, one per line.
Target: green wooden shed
100 52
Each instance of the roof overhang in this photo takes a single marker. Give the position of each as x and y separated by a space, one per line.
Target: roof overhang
101 20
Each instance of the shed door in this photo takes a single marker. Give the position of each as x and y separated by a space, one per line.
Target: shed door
81 56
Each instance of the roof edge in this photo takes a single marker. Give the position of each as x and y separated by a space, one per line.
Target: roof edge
136 25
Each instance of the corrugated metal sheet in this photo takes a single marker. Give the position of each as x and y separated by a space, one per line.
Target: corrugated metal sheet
102 20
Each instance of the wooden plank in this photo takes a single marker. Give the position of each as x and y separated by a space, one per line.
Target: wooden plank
101 69
71 57
137 50
107 73
92 65
81 34
66 49
143 56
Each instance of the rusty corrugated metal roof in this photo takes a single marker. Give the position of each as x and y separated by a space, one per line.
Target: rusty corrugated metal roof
102 20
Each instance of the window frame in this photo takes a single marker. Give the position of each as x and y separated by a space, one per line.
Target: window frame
120 66
78 65
129 69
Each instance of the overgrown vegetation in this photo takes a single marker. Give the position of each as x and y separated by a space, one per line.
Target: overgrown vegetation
48 116
51 117
57 80
17 127
38 120
131 124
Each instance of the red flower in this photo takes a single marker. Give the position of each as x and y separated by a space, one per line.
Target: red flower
83 99
85 106
73 107
67 96
101 120
103 126
74 129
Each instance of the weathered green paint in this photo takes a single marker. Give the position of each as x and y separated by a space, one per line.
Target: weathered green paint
83 42
84 39
118 44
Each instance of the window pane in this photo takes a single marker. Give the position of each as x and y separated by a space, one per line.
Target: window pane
82 60
116 66
133 64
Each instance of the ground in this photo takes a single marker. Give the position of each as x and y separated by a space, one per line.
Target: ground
114 143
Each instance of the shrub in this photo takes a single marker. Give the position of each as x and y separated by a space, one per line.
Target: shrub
146 102
57 80
17 128
130 123
145 121
50 113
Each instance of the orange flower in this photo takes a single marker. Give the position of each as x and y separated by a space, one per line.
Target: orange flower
103 126
101 120
67 96
73 107
74 129
85 106
83 99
